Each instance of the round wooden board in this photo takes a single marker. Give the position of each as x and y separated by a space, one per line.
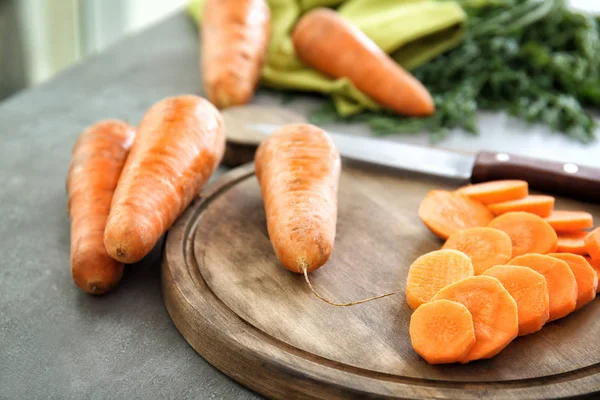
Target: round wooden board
260 324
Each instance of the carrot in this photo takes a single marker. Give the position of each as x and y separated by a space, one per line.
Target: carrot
595 264
496 191
234 38
485 246
442 332
326 41
530 291
535 204
528 232
592 244
572 242
569 221
585 275
434 271
562 286
494 312
179 143
445 213
298 168
97 160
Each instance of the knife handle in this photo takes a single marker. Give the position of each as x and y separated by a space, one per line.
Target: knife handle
566 179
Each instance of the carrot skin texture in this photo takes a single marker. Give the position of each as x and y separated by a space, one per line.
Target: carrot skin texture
179 144
234 36
97 161
326 41
298 169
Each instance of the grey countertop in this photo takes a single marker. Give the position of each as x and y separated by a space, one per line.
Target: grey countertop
59 343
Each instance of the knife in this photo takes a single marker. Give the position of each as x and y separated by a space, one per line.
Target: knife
567 179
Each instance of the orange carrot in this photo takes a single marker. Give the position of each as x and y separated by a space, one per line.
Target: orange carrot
326 41
595 264
485 246
569 221
562 286
496 191
442 332
179 143
528 232
445 213
536 204
592 243
585 275
530 291
572 242
234 38
494 312
298 168
434 271
97 160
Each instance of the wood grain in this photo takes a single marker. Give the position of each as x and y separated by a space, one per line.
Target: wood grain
259 323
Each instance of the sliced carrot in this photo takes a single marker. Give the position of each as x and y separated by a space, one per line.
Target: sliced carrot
530 291
528 232
541 205
445 213
595 264
496 191
569 221
592 244
585 275
485 246
442 331
494 313
572 242
433 271
562 286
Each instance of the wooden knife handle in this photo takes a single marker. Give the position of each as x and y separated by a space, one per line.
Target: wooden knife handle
566 179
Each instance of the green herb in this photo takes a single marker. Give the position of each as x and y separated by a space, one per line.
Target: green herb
537 60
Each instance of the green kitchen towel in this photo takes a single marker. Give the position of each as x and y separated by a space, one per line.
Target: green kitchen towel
412 32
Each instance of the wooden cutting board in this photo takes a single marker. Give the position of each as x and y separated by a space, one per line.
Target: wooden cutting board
260 324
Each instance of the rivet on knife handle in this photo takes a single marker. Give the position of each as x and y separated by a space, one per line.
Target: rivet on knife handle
566 179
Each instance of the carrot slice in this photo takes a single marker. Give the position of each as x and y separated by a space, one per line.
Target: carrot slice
485 246
592 243
541 205
562 286
494 313
433 271
528 232
496 191
445 213
442 331
595 264
585 275
569 221
572 242
530 291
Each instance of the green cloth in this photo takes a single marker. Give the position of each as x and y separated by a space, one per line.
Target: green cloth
412 32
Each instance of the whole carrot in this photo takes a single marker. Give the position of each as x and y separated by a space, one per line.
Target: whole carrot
97 160
332 45
234 38
298 168
179 144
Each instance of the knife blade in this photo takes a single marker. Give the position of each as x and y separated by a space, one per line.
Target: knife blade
569 179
